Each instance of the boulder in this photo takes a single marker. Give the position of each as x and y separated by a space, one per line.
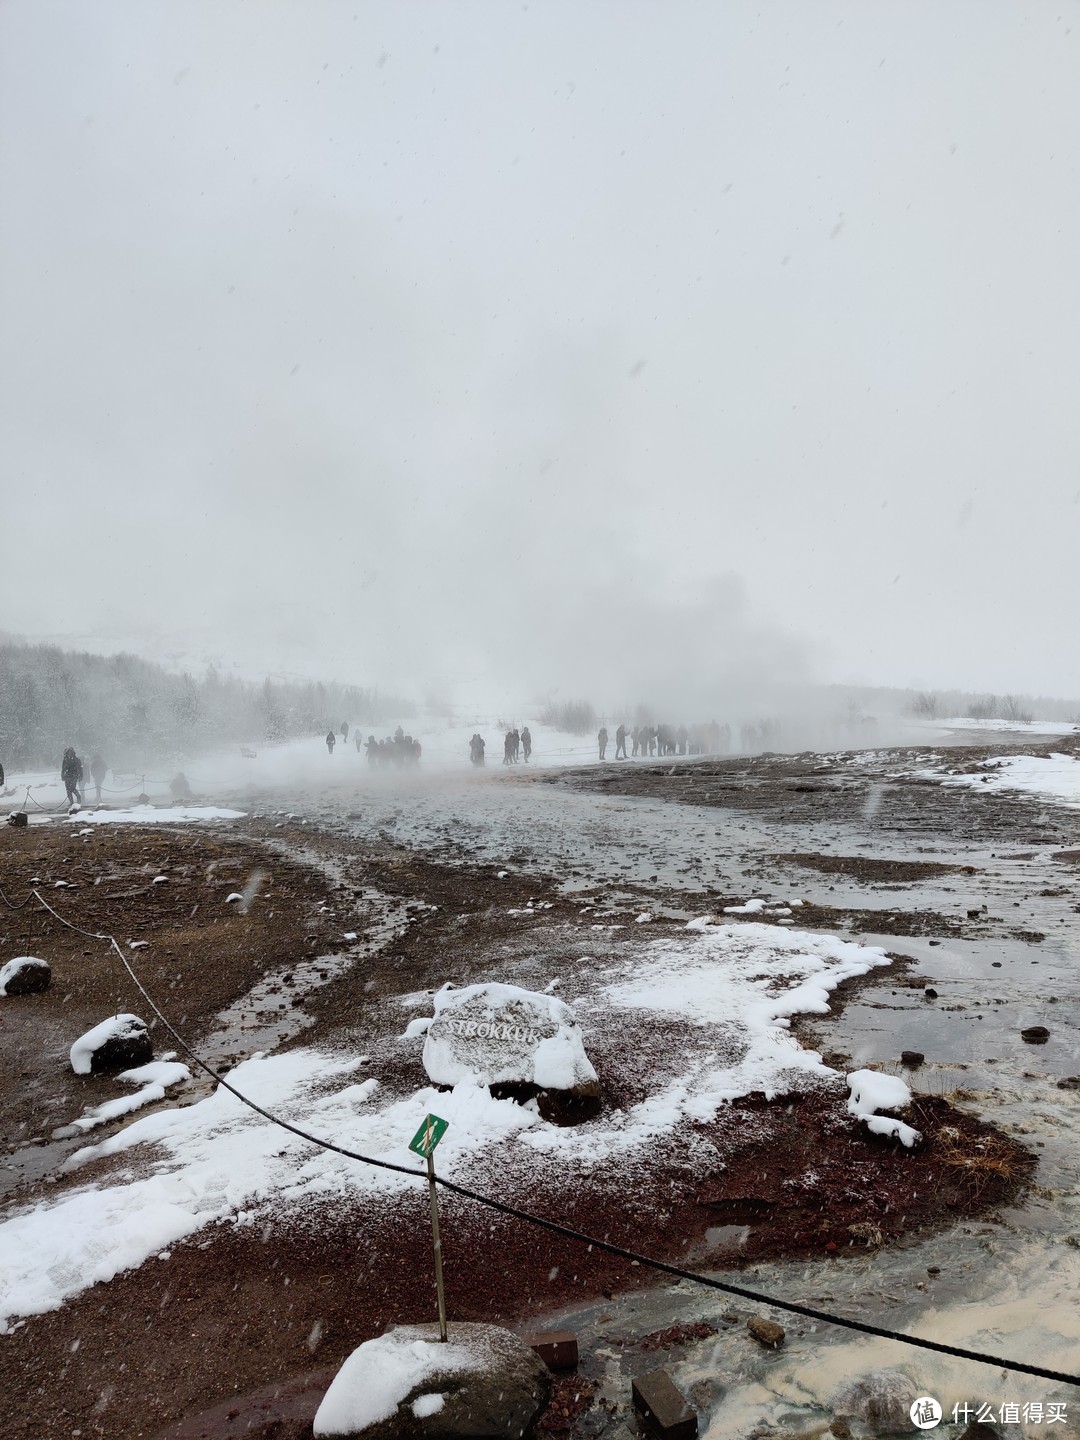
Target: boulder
882 1400
484 1384
1035 1034
119 1043
518 1042
25 975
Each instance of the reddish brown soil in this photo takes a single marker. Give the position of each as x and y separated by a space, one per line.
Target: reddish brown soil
235 1309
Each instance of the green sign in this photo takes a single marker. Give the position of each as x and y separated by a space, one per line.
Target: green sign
429 1135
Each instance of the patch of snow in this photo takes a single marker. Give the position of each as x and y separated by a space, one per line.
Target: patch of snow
1055 777
643 918
233 898
872 1091
160 880
95 1115
120 1026
425 1405
416 1027
157 1072
169 815
350 934
752 907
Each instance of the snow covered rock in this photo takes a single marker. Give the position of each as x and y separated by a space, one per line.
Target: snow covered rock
25 975
116 1044
519 1042
872 1091
406 1384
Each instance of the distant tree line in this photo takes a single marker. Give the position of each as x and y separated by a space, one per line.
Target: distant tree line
1014 709
131 710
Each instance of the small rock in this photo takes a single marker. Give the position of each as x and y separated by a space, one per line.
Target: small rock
705 1393
25 975
912 1058
558 1349
1071 1082
930 993
119 1043
662 1407
766 1331
840 1428
882 1400
1035 1034
979 1430
730 1317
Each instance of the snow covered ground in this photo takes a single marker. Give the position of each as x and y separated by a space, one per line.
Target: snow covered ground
1056 777
732 988
1012 727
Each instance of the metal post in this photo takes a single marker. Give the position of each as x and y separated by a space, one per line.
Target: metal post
438 1248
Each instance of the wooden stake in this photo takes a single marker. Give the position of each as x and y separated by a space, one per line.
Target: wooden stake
438 1248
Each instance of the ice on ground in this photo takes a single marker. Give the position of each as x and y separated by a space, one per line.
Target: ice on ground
872 1091
752 907
169 815
1055 777
118 1027
733 987
12 968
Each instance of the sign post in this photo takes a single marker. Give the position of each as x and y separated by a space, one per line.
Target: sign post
423 1143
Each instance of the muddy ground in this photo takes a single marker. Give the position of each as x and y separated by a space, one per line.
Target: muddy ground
234 1309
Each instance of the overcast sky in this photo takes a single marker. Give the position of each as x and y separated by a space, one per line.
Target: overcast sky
579 345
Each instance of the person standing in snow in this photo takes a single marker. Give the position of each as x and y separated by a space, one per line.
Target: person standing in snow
601 740
71 772
508 747
620 743
331 740
344 731
526 742
358 739
98 771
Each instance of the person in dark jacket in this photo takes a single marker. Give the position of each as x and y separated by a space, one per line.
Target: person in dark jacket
71 772
331 741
